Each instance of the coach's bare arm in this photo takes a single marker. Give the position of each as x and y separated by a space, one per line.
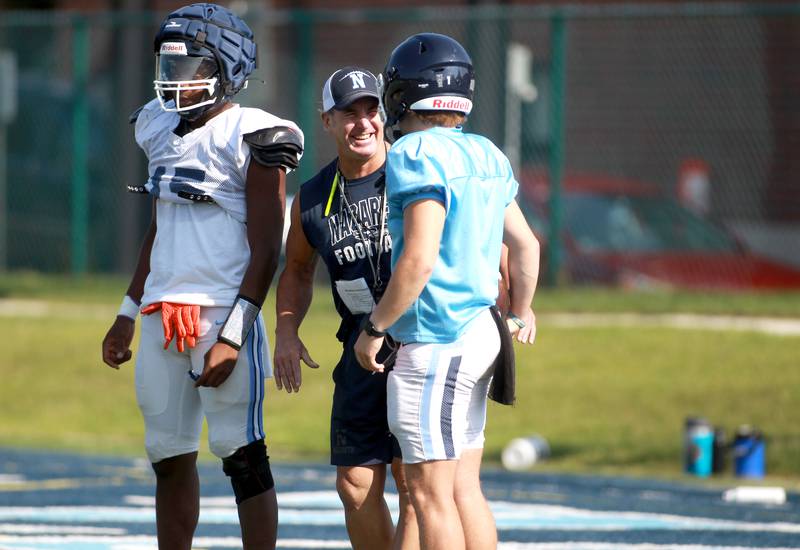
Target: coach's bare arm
295 290
523 271
117 343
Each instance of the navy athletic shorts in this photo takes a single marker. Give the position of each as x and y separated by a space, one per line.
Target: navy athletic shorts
359 430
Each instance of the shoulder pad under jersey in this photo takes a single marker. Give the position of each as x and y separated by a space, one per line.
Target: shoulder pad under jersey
135 115
276 146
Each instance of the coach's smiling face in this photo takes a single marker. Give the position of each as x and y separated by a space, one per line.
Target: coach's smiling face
357 129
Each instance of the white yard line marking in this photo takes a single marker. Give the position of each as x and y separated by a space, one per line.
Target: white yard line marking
49 529
322 508
11 479
768 325
13 307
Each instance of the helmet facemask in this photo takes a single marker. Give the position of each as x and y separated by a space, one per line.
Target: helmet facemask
186 83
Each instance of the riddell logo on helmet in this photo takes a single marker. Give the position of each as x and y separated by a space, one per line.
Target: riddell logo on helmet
455 104
173 48
443 103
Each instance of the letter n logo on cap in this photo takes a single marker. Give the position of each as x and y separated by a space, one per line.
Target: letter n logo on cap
358 80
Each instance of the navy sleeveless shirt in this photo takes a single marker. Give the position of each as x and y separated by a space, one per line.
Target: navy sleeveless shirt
346 230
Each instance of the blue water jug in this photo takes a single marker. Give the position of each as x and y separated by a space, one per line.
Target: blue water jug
749 453
698 447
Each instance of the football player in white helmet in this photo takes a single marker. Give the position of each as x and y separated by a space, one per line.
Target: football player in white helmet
217 174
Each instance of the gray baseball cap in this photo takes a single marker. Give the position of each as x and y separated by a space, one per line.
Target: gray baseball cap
346 85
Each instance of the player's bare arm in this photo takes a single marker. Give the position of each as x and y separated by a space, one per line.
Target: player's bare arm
295 291
117 342
422 230
266 195
523 271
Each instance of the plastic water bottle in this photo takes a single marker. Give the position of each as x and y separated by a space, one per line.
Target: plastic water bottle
523 452
749 453
698 447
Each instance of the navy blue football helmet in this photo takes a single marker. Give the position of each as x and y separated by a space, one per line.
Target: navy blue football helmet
202 48
427 72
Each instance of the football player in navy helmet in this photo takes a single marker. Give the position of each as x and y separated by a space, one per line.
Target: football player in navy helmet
451 210
216 172
204 54
427 72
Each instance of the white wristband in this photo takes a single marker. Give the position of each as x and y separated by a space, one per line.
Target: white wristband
128 308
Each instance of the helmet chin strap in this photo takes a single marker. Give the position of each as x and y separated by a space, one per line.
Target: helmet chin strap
392 133
391 130
192 115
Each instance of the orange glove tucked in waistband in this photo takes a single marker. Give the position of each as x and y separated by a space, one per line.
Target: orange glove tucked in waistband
179 320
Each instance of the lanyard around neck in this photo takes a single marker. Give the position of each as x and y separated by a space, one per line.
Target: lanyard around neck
332 193
339 182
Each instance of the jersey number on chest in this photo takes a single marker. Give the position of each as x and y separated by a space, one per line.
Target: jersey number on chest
181 182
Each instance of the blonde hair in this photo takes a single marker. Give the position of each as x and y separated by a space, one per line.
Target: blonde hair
448 119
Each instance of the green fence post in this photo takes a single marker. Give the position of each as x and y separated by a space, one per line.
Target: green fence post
306 92
80 146
556 161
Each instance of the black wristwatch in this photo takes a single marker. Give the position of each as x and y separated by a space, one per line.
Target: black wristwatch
369 328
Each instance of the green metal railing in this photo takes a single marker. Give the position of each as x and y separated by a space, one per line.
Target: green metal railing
306 45
556 160
80 156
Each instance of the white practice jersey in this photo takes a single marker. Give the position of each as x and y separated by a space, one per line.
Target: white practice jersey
200 252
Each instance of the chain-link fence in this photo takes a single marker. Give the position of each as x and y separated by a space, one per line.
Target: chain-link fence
608 114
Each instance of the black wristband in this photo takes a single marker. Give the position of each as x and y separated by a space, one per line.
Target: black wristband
239 322
369 328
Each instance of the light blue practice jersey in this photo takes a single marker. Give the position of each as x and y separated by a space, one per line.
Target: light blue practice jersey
473 179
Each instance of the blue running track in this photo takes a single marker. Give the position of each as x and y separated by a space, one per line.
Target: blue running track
71 502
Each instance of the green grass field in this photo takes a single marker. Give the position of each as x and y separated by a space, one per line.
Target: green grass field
106 290
609 400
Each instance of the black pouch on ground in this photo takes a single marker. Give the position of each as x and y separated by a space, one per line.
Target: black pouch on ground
503 386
